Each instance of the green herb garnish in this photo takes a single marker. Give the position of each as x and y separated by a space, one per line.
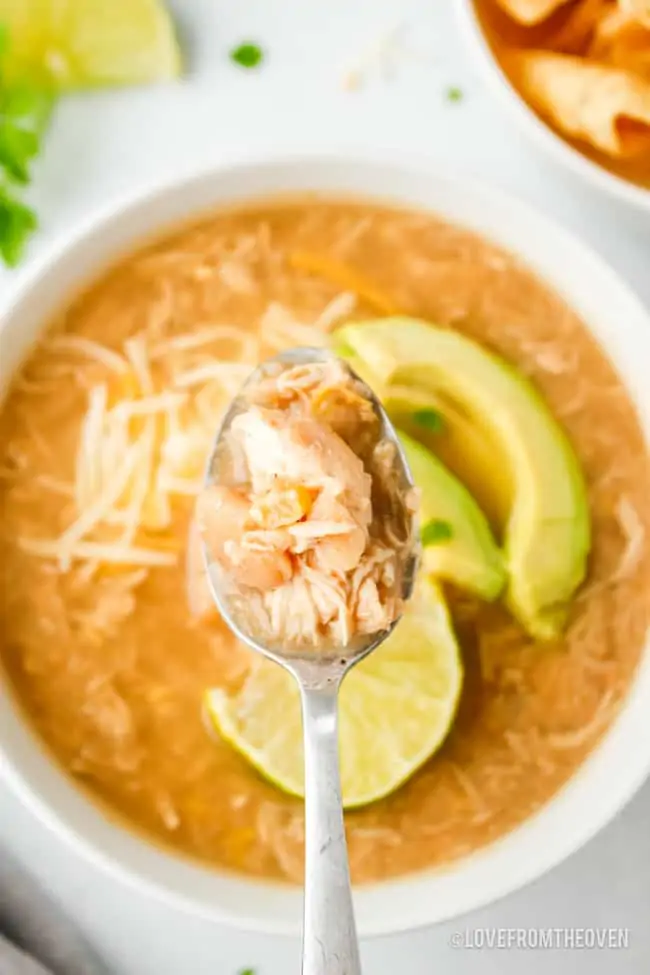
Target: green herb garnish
247 55
247 971
454 94
435 531
343 350
17 222
25 110
429 420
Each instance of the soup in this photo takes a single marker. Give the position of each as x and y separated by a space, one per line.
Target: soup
107 660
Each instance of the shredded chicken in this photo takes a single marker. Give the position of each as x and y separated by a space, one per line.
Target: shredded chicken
587 731
309 540
634 533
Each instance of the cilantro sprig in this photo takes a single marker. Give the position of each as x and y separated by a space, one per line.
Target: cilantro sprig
435 531
247 55
25 110
428 419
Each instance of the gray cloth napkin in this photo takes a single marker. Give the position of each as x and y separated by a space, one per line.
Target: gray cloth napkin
36 938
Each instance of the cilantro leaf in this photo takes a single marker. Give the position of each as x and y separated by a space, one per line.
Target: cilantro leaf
25 111
429 420
27 106
247 55
454 94
435 531
17 148
17 221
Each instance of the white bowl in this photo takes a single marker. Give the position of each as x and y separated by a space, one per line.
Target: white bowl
615 769
543 135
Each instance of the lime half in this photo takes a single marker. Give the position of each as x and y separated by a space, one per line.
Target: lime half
396 708
78 43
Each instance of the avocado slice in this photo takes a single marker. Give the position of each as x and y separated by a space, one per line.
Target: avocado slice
547 534
457 442
467 554
462 446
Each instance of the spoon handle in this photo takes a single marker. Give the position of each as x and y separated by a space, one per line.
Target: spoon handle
330 945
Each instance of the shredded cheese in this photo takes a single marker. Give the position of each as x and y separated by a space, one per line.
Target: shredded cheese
161 403
279 328
339 308
230 374
142 483
88 473
237 277
136 352
149 424
54 485
179 485
208 335
92 350
95 512
112 553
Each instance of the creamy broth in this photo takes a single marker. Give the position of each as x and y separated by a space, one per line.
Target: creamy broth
110 667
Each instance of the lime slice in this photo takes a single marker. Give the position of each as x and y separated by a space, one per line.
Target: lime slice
396 708
76 43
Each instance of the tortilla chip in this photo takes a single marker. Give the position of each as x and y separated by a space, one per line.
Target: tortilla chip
622 40
628 47
636 10
581 26
606 107
614 21
530 11
622 15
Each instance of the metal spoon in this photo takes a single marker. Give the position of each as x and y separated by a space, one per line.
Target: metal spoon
330 943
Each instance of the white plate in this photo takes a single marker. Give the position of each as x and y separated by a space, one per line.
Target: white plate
613 772
543 135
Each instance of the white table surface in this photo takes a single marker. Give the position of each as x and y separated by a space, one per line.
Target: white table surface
107 144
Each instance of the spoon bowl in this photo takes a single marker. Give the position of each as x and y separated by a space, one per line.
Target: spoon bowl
307 660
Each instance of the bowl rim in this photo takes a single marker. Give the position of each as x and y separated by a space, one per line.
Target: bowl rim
541 857
566 155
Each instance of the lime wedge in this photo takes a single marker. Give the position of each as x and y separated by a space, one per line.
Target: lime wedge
396 708
78 43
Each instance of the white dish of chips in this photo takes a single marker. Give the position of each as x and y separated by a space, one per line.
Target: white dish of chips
564 153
